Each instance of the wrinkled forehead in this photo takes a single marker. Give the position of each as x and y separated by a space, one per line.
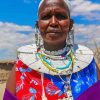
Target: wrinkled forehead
51 3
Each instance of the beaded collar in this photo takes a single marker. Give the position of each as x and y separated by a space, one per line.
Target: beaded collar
54 53
61 54
83 57
58 52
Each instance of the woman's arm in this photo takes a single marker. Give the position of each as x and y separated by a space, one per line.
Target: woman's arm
11 82
98 70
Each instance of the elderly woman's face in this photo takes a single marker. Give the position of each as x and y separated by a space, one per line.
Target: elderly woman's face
54 22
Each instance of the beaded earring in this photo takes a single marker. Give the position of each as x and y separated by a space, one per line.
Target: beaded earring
70 40
38 38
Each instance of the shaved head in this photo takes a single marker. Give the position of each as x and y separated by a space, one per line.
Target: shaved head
50 3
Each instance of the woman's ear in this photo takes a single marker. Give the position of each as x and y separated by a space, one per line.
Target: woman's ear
71 24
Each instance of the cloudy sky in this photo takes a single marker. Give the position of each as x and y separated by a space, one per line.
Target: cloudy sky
18 17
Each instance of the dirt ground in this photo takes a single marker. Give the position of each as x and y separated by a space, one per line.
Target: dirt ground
2 88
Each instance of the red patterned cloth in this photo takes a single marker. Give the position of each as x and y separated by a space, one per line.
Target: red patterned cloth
29 85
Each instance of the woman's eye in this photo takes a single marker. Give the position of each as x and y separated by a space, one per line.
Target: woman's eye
61 17
46 17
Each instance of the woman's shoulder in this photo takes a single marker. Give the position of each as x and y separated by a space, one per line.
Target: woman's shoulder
83 57
79 47
27 54
27 49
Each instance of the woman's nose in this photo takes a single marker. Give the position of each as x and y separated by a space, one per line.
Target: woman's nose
54 21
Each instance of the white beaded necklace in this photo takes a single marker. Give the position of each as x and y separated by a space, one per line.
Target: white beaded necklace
55 53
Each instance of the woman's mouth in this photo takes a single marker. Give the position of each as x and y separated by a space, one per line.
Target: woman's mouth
53 34
54 31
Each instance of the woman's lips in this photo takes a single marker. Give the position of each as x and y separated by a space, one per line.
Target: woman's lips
53 34
54 31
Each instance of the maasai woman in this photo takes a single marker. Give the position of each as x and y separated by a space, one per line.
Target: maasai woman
54 68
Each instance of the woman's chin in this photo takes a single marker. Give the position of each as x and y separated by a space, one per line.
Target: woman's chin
53 41
54 38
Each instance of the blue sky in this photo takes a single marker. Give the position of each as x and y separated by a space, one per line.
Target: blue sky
24 12
18 17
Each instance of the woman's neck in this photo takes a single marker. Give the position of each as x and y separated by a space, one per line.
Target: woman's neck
51 47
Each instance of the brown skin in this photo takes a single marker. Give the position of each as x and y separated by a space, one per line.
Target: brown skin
54 24
11 82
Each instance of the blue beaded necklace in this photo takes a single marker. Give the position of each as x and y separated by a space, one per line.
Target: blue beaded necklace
50 66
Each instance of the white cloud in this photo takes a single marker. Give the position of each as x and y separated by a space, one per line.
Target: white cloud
87 34
86 8
13 36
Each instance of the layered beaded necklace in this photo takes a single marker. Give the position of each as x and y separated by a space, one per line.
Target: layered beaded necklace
47 61
67 58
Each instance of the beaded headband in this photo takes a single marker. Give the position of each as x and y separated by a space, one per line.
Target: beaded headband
66 1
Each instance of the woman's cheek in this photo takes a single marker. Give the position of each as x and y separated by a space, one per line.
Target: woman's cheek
65 23
65 29
43 26
65 26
